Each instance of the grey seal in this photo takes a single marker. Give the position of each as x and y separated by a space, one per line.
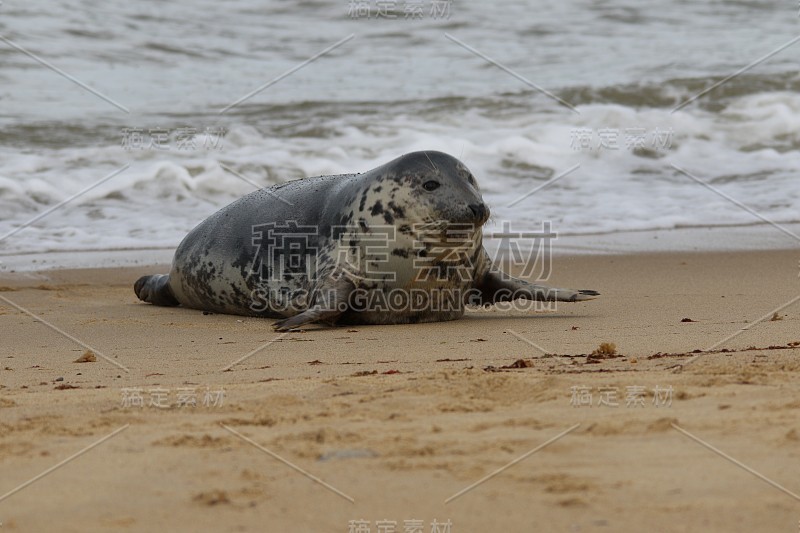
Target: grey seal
399 244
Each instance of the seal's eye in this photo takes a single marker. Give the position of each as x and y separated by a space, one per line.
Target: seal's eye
430 185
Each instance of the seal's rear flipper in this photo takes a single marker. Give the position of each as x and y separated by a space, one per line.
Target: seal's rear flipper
155 290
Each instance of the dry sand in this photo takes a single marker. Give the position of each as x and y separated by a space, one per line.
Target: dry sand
400 418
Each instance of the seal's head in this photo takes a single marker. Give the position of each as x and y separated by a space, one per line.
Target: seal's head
430 188
439 188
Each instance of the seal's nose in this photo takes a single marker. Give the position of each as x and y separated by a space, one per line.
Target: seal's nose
480 211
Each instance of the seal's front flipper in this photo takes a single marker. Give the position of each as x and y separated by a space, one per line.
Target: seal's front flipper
329 302
500 287
155 290
584 294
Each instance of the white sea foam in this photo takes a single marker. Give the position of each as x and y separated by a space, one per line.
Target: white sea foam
161 196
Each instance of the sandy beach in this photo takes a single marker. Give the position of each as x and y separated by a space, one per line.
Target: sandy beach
653 154
501 421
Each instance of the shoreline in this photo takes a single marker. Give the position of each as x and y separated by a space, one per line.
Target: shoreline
681 240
